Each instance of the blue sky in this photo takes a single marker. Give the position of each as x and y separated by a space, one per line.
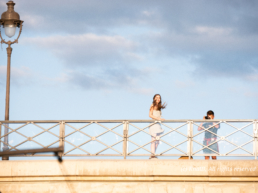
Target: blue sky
85 60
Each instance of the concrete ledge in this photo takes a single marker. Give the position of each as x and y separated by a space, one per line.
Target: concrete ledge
129 179
130 168
167 174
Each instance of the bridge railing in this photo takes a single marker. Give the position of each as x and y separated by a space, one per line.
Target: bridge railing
127 138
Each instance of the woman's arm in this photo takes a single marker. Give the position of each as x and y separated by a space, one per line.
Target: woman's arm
216 126
200 127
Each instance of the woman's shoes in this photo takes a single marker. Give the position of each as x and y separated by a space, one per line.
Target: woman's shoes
153 157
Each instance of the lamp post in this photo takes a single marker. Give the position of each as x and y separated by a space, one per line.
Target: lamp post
9 20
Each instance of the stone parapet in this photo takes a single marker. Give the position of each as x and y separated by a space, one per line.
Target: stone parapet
129 176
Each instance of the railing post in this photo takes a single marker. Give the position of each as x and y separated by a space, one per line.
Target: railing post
125 130
5 148
255 131
190 137
61 136
0 136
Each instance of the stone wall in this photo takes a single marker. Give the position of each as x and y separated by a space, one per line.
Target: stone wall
150 176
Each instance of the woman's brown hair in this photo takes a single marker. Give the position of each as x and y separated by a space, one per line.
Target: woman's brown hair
160 105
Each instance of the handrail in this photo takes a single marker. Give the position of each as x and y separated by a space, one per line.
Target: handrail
127 138
130 120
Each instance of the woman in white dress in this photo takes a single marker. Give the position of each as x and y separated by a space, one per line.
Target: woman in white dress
156 130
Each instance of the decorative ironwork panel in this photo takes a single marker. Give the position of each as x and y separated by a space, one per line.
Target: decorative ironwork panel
93 139
171 142
127 138
29 135
223 138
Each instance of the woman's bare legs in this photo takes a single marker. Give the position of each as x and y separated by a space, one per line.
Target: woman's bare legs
154 144
157 142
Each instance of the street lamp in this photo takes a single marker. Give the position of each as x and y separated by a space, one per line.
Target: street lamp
10 20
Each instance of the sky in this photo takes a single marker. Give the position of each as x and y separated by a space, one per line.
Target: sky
105 60
86 60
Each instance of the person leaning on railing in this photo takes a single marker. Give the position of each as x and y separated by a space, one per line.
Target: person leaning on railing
155 129
210 137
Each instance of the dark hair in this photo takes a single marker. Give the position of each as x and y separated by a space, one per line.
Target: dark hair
210 112
160 105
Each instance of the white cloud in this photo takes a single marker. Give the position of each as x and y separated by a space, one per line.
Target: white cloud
184 84
2 3
203 40
144 91
215 51
19 76
252 77
88 49
148 13
222 33
105 79
251 94
213 31
32 21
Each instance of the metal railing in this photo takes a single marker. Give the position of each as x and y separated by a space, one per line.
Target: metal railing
127 138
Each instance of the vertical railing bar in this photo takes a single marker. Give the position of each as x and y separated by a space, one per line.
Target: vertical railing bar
255 130
125 132
61 137
256 142
0 135
127 141
6 144
190 141
127 128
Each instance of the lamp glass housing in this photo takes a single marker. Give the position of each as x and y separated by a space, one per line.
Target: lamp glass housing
10 30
